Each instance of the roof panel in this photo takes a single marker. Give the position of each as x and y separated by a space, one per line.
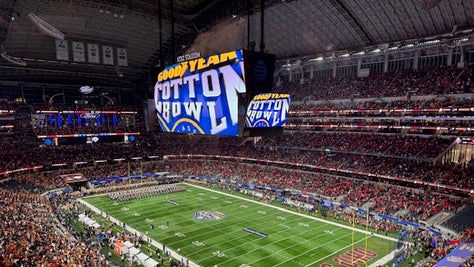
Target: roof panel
293 28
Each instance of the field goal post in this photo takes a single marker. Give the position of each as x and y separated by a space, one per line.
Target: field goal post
364 259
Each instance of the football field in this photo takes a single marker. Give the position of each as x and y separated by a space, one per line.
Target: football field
213 228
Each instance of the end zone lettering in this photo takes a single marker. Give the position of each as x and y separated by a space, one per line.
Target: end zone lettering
353 258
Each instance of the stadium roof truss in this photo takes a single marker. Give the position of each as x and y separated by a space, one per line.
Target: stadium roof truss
292 28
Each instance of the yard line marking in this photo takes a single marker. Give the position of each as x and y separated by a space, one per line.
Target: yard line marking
300 214
155 243
256 240
315 247
280 240
216 229
247 215
237 210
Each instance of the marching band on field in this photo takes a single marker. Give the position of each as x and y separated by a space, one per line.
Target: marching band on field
145 192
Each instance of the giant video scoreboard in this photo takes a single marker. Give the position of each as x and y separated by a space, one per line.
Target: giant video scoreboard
226 94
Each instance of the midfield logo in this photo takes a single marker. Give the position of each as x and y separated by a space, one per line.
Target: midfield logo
208 215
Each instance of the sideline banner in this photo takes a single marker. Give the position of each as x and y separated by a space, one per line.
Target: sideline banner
78 53
93 53
122 57
62 51
457 256
108 55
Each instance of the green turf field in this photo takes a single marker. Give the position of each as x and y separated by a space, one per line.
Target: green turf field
291 239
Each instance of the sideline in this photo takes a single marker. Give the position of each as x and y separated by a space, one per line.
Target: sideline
384 260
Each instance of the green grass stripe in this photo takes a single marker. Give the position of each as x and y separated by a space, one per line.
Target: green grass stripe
293 239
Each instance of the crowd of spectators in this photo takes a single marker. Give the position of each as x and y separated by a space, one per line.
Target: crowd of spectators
411 157
387 199
393 107
446 115
72 153
435 251
25 124
30 236
411 241
41 181
426 81
469 262
389 144
86 129
382 197
54 124
42 230
430 246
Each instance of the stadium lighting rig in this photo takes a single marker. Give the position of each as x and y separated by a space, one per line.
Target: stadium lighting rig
451 39
12 59
46 27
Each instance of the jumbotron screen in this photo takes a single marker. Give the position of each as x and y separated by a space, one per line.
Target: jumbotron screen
267 110
211 95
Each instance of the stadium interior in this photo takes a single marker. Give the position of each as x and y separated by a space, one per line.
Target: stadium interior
381 119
